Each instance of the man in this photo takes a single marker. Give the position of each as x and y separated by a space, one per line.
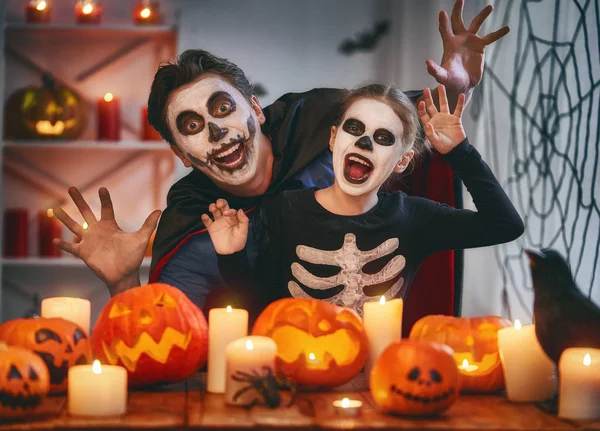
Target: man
204 107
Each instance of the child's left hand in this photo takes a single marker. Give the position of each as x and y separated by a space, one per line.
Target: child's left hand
444 130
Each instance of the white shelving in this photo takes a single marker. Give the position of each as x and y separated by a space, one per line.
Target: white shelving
90 145
149 30
66 262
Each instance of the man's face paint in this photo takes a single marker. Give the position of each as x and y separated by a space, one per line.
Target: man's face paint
215 127
367 146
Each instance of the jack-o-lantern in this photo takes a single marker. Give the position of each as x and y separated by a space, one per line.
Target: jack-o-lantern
318 344
475 345
49 112
416 378
24 381
59 342
155 332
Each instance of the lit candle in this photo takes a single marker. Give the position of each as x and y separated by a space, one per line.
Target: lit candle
50 227
252 355
224 326
466 367
97 390
76 310
579 394
109 118
146 12
383 325
38 11
347 407
529 375
88 12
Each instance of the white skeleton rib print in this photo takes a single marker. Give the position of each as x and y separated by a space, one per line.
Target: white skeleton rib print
351 260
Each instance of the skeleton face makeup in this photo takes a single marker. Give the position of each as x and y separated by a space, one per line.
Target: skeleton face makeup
215 127
367 146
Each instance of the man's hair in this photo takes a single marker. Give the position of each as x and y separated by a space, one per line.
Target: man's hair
189 66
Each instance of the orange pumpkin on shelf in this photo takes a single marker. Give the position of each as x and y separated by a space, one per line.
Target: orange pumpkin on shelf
475 344
318 344
24 381
59 342
416 378
155 332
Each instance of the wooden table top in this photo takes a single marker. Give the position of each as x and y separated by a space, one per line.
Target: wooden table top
187 406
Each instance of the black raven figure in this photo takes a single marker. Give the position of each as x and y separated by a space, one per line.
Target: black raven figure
564 316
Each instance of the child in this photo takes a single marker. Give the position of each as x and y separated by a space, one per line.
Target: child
349 243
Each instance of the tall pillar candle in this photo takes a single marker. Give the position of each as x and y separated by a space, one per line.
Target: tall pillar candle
247 355
109 118
50 227
224 326
529 374
579 394
76 310
383 325
16 232
38 11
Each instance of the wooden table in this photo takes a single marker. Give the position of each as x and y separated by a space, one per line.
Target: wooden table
187 406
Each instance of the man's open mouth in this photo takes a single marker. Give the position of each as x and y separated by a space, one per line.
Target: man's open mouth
231 156
357 168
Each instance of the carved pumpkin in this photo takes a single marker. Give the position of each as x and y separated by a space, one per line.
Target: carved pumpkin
473 340
49 112
417 378
318 343
60 343
24 381
155 332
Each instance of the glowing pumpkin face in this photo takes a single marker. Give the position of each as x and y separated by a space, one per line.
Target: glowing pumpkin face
60 343
24 381
154 331
318 343
475 345
416 378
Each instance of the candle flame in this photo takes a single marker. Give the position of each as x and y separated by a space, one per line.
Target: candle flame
85 225
96 367
41 5
88 9
587 360
229 309
465 363
145 13
312 356
50 212
518 325
345 403
249 345
381 301
108 97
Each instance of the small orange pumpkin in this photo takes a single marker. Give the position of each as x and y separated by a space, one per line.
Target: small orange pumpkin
155 332
417 378
475 344
59 342
318 344
24 381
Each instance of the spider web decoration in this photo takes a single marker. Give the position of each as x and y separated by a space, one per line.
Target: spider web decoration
538 129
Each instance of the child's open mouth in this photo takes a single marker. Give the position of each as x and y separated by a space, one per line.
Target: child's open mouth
357 168
231 156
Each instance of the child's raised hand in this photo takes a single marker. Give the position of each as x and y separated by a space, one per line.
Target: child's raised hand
444 130
229 229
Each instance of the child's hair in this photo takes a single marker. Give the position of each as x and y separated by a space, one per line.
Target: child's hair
413 137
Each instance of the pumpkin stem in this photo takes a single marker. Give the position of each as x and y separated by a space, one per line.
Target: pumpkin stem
48 81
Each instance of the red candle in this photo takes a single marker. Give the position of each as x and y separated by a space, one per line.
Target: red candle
88 12
16 232
146 12
149 133
38 11
109 118
50 227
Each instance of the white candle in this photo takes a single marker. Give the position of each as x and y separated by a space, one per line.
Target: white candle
224 326
383 325
247 355
579 395
97 390
529 375
76 310
347 407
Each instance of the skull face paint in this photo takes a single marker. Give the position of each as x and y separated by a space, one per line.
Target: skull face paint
367 146
215 127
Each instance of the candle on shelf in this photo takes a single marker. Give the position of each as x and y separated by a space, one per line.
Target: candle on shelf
88 12
465 366
146 12
579 394
97 390
109 118
224 326
50 227
16 232
347 407
76 310
247 355
38 11
149 133
383 325
529 375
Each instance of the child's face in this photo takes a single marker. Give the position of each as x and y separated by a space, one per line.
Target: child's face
367 147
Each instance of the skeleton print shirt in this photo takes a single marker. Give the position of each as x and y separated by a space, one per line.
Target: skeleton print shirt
349 260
